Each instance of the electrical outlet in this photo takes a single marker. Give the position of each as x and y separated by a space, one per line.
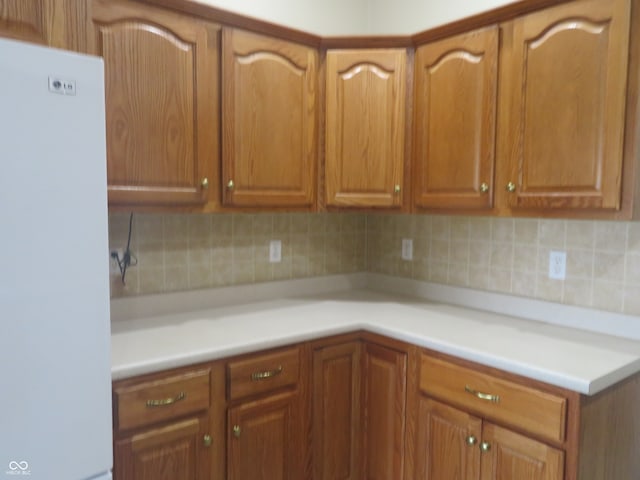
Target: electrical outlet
407 249
557 265
275 251
115 255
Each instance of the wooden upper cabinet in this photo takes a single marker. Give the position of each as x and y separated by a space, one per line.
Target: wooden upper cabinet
563 91
454 121
269 112
365 123
161 76
55 23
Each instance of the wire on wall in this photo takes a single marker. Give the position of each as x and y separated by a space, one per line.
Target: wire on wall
128 258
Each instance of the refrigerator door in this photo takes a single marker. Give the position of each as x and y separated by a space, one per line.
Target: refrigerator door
55 405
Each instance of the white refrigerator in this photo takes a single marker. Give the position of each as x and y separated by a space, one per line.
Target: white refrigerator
55 381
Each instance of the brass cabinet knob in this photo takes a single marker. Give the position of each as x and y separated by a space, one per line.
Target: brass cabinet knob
396 189
230 184
207 440
485 446
236 431
484 187
205 183
471 440
511 187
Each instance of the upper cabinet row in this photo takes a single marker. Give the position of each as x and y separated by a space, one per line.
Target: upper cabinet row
528 115
533 116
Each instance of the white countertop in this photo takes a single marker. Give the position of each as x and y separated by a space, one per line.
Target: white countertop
578 360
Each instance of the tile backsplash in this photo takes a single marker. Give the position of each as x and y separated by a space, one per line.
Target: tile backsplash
185 252
509 255
506 255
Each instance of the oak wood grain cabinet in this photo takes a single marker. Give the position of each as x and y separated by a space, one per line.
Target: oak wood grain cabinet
455 100
161 427
55 23
161 79
562 107
365 128
265 439
269 121
359 408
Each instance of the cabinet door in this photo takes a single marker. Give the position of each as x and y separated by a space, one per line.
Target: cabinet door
365 118
336 412
511 455
269 121
448 443
177 450
261 443
455 104
385 393
563 90
161 103
56 23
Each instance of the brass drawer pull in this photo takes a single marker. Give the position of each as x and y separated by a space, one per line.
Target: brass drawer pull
166 401
267 374
482 396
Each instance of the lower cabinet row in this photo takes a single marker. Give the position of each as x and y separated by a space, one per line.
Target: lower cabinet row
362 406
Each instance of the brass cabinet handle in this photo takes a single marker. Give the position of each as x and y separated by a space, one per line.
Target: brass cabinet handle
236 431
230 185
166 401
511 187
482 396
485 446
207 441
266 374
396 189
484 187
205 183
471 440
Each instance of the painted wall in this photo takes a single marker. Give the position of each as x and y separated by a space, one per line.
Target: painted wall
358 17
395 17
328 17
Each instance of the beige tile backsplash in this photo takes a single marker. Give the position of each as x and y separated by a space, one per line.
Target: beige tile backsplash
512 256
182 252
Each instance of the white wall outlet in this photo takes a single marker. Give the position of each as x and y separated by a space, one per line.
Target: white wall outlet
557 265
275 251
407 249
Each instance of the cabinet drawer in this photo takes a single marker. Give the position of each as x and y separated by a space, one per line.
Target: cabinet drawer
262 373
163 399
526 408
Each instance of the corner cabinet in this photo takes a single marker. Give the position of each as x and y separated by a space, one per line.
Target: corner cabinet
455 99
161 79
359 408
269 121
562 108
365 128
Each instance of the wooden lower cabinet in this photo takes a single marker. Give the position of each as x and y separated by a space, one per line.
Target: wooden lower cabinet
176 450
359 411
262 443
456 445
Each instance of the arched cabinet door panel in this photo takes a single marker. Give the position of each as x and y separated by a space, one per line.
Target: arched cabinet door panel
563 90
269 112
161 103
365 123
454 116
